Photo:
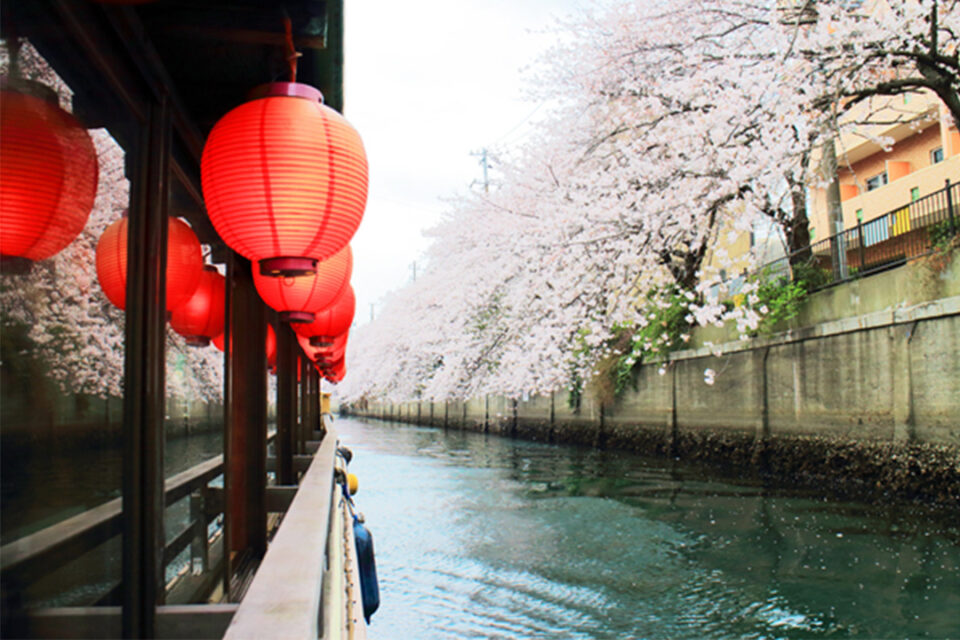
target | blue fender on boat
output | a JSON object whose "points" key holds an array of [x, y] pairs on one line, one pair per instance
{"points": [[369, 589]]}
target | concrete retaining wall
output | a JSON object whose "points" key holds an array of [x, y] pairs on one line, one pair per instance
{"points": [[867, 403]]}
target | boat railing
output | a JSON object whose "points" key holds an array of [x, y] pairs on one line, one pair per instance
{"points": [[302, 587]]}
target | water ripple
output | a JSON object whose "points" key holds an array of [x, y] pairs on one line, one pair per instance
{"points": [[483, 537]]}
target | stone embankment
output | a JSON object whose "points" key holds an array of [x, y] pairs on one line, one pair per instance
{"points": [[865, 407]]}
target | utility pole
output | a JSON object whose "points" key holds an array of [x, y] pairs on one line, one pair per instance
{"points": [[371, 312], [485, 163], [413, 265]]}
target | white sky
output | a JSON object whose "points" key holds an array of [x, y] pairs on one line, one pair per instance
{"points": [[426, 83]]}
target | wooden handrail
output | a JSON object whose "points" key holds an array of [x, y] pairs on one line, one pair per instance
{"points": [[283, 600], [59, 543]]}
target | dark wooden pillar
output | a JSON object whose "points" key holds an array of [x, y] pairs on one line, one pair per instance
{"points": [[287, 366], [309, 403], [246, 422], [144, 359]]}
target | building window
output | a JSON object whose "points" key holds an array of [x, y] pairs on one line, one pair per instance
{"points": [[877, 181], [936, 155], [914, 194], [859, 215]]}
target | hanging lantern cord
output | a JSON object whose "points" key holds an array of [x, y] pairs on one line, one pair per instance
{"points": [[292, 54], [12, 44]]}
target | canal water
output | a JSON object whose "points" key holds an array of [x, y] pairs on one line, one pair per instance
{"points": [[479, 536]]}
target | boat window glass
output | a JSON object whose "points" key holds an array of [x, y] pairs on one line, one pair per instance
{"points": [[61, 342]]}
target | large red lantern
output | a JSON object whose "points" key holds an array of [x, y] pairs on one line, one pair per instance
{"points": [[48, 176], [184, 262], [285, 179], [201, 317], [330, 322], [298, 298]]}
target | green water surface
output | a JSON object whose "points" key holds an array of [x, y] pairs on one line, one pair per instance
{"points": [[484, 537]]}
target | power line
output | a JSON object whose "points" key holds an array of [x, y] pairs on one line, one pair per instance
{"points": [[521, 123], [485, 163]]}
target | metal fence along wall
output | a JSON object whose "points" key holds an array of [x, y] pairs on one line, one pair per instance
{"points": [[907, 232]]}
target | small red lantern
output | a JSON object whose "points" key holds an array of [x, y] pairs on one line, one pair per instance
{"points": [[335, 347], [335, 372], [48, 176], [184, 262], [284, 179], [330, 358], [308, 349], [330, 322], [271, 347], [201, 317], [219, 341], [298, 298]]}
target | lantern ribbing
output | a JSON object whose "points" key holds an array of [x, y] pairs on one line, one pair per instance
{"points": [[184, 262], [48, 177], [201, 318]]}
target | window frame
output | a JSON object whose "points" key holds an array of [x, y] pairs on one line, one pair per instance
{"points": [[878, 181]]}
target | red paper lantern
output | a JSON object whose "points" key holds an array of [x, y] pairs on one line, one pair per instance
{"points": [[330, 322], [298, 298], [184, 262], [271, 347], [219, 341], [330, 358], [332, 365], [285, 179], [308, 349], [48, 176], [336, 345], [334, 372], [201, 317]]}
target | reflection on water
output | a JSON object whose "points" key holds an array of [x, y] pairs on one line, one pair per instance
{"points": [[483, 537]]}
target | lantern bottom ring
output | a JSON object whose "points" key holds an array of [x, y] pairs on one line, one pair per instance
{"points": [[296, 316], [197, 341], [321, 341], [286, 266]]}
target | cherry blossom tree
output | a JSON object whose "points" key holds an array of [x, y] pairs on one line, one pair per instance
{"points": [[676, 120]]}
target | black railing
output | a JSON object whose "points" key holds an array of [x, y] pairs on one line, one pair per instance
{"points": [[907, 232]]}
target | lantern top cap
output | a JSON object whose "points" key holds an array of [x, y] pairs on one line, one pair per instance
{"points": [[287, 89], [30, 88]]}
